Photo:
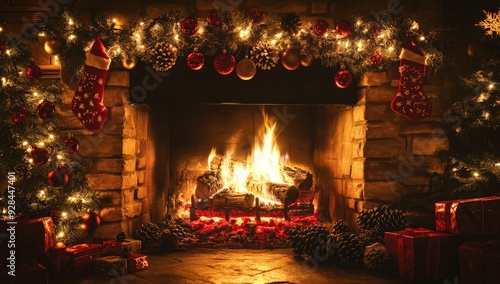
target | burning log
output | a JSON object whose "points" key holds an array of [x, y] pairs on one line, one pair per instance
{"points": [[234, 200], [208, 184], [302, 179], [278, 190]]}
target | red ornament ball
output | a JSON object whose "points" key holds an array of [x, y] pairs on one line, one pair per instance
{"points": [[291, 59], [320, 27], [33, 73], [255, 15], [343, 78], [189, 26], [344, 28], [18, 114], [46, 109], [40, 156], [195, 60], [72, 145], [90, 221], [58, 177], [376, 58], [214, 17], [224, 63]]}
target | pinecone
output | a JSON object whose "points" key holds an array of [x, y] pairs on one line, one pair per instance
{"points": [[369, 237], [332, 247], [179, 229], [150, 234], [121, 237], [376, 257], [290, 22], [124, 253], [392, 220], [368, 218], [311, 241], [163, 56], [341, 227], [264, 55], [350, 249]]}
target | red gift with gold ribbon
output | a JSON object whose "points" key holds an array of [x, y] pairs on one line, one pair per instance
{"points": [[423, 255], [469, 217], [74, 261]]}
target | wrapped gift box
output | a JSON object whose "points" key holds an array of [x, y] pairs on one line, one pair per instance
{"points": [[34, 237], [137, 262], [114, 247], [469, 217], [111, 266], [74, 261], [479, 262], [423, 255]]}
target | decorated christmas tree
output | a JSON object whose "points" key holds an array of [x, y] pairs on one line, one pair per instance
{"points": [[42, 174], [473, 161]]}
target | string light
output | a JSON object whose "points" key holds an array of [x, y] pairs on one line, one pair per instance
{"points": [[421, 38], [35, 94], [137, 36], [278, 35], [176, 37], [51, 136], [475, 174], [41, 143], [114, 20], [4, 211], [141, 23], [64, 214], [8, 52], [61, 234], [71, 37], [42, 34], [391, 48], [4, 80], [201, 30], [454, 169], [497, 164], [72, 199], [358, 23], [491, 86], [414, 26], [70, 22], [25, 143], [30, 161], [1, 29], [244, 33], [59, 157]]}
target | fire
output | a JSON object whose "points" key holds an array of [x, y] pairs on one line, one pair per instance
{"points": [[262, 165]]}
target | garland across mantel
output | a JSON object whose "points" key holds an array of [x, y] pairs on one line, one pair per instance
{"points": [[354, 46]]}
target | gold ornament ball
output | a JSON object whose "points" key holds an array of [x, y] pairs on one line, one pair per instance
{"points": [[53, 46], [246, 69], [128, 63], [306, 60], [291, 59]]}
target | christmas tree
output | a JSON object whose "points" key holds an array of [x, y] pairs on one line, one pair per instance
{"points": [[473, 161], [41, 171]]}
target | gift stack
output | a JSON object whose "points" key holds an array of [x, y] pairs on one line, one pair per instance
{"points": [[33, 239], [121, 256], [73, 261], [477, 223]]}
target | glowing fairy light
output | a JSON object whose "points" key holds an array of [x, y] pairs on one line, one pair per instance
{"points": [[137, 36], [25, 143], [114, 20], [391, 48], [421, 38], [273, 42], [59, 157], [51, 136], [244, 33], [42, 34], [8, 52], [141, 23], [414, 26], [454, 169], [176, 37], [201, 30], [70, 22], [491, 86], [475, 174], [360, 46], [278, 35], [72, 199], [1, 29], [64, 214], [35, 94], [497, 164], [4, 211], [71, 37], [4, 80], [141, 46], [61, 234], [41, 143], [358, 23], [30, 161]]}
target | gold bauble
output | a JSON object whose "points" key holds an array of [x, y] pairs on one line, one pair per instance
{"points": [[291, 59], [246, 69], [306, 60], [128, 63], [53, 46]]}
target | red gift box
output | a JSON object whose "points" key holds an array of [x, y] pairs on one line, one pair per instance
{"points": [[479, 262], [423, 255], [34, 237], [137, 262], [469, 217], [114, 247], [74, 261]]}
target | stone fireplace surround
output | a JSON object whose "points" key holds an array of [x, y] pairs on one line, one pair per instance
{"points": [[354, 150]]}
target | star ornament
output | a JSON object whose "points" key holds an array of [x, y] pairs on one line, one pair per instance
{"points": [[491, 24]]}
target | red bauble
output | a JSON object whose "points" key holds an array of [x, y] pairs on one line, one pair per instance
{"points": [[195, 60], [320, 27], [90, 221], [72, 145], [291, 59], [224, 63], [46, 109], [344, 28], [255, 15], [58, 177], [214, 17], [343, 78], [18, 114], [189, 26], [376, 58], [33, 73], [40, 156]]}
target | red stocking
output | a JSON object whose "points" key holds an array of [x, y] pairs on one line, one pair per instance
{"points": [[87, 104], [410, 100]]}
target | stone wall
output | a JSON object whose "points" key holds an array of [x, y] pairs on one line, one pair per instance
{"points": [[116, 157]]}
